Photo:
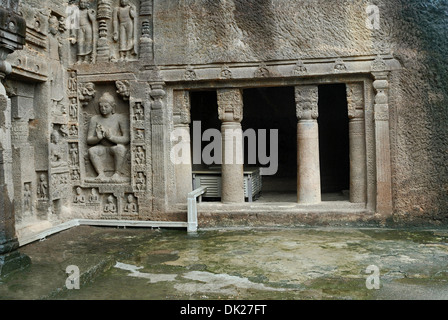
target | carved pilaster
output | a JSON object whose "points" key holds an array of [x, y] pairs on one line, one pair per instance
{"points": [[158, 136], [182, 145], [382, 141]]}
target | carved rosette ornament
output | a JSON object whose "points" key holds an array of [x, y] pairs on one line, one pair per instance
{"points": [[190, 74], [262, 71], [230, 105], [299, 69], [307, 102], [225, 73]]}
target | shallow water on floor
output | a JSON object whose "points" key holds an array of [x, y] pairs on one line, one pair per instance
{"points": [[274, 264]]}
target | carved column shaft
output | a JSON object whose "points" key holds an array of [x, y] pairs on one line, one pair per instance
{"points": [[308, 164], [158, 152], [182, 133], [358, 184], [230, 111], [382, 139]]}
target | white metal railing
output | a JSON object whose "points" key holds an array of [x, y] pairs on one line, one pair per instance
{"points": [[192, 216]]}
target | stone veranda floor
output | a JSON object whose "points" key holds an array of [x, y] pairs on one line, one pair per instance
{"points": [[235, 264]]}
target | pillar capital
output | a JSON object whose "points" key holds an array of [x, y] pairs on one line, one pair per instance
{"points": [[181, 108], [230, 105], [307, 98], [355, 100]]}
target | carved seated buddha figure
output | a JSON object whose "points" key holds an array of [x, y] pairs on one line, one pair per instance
{"points": [[108, 134]]}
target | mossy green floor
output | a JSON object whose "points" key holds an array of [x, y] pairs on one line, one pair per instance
{"points": [[302, 263]]}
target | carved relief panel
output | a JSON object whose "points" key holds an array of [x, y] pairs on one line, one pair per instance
{"points": [[110, 30], [106, 148]]}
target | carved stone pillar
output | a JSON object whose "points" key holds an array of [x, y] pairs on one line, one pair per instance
{"points": [[159, 165], [230, 111], [358, 184], [182, 132], [12, 37], [308, 168], [382, 141]]}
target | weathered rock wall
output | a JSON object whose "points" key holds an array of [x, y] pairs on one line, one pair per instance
{"points": [[415, 32]]}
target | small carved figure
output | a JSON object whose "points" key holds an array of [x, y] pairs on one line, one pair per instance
{"points": [[64, 130], [124, 29], [140, 181], [75, 174], [42, 187], [27, 196], [79, 198], [139, 134], [55, 150], [94, 197], [72, 84], [73, 130], [74, 154], [110, 205], [138, 111], [139, 155], [108, 133], [123, 89], [131, 206], [73, 108], [56, 72]]}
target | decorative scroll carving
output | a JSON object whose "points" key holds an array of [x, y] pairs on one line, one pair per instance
{"points": [[86, 92], [123, 89], [307, 102], [230, 105]]}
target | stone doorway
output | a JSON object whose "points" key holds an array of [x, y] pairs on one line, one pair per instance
{"points": [[274, 108], [334, 142]]}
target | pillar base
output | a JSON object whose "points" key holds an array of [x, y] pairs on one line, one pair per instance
{"points": [[13, 261]]}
